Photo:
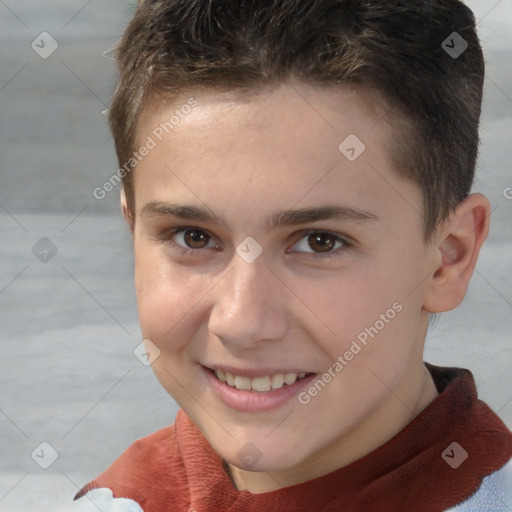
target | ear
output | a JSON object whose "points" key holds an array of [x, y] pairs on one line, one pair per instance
{"points": [[458, 244], [127, 214]]}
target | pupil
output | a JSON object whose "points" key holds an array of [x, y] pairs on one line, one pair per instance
{"points": [[194, 238], [324, 240]]}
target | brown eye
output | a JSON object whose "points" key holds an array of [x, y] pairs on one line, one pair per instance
{"points": [[195, 238], [321, 242], [189, 240]]}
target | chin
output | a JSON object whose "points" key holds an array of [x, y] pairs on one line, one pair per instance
{"points": [[259, 457]]}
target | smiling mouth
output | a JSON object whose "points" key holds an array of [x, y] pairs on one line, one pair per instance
{"points": [[262, 384]]}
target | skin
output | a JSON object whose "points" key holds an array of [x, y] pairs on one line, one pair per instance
{"points": [[245, 160]]}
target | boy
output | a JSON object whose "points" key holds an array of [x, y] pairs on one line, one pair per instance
{"points": [[296, 178]]}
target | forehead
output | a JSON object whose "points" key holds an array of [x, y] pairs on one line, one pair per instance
{"points": [[290, 144], [271, 110], [294, 123]]}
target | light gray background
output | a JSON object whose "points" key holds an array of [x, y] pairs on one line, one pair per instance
{"points": [[69, 326]]}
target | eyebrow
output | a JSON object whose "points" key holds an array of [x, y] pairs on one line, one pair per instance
{"points": [[275, 220]]}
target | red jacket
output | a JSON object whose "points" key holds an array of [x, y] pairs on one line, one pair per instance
{"points": [[175, 469]]}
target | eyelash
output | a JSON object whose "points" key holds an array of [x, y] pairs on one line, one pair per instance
{"points": [[346, 245]]}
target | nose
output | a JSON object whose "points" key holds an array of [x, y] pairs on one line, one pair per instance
{"points": [[250, 306]]}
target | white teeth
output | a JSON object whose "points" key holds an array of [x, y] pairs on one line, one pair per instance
{"points": [[261, 384], [290, 378], [242, 382], [277, 381]]}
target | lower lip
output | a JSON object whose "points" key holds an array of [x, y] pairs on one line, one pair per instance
{"points": [[252, 401]]}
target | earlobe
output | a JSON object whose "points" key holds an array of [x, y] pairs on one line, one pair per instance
{"points": [[459, 242]]}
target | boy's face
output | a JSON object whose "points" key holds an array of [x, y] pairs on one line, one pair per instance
{"points": [[209, 300]]}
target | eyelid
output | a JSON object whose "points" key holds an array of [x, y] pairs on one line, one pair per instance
{"points": [[167, 237], [347, 243]]}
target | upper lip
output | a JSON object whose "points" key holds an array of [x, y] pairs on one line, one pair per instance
{"points": [[255, 372]]}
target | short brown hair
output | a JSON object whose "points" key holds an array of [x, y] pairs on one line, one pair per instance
{"points": [[398, 48]]}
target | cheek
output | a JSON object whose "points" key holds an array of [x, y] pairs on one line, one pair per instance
{"points": [[168, 299], [343, 305], [371, 312]]}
